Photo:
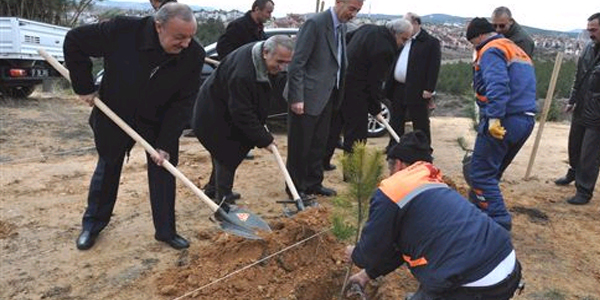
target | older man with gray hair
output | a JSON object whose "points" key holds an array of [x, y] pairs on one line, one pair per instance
{"points": [[152, 76], [232, 108], [411, 85], [371, 52]]}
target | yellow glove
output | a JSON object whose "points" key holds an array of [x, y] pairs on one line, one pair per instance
{"points": [[495, 128]]}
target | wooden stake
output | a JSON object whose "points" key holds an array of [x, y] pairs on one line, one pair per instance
{"points": [[546, 109]]}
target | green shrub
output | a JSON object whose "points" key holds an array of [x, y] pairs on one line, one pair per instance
{"points": [[362, 169]]}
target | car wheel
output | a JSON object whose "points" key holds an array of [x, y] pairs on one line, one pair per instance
{"points": [[18, 92], [375, 128]]}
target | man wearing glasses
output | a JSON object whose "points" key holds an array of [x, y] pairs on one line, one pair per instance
{"points": [[504, 24]]}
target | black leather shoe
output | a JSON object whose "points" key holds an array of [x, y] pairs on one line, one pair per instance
{"points": [[86, 240], [329, 167], [232, 197], [228, 198], [578, 200], [176, 242], [300, 193], [321, 190], [567, 179]]}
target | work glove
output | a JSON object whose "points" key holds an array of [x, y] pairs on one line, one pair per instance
{"points": [[495, 128]]}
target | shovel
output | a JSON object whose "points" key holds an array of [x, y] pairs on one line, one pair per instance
{"points": [[290, 183], [388, 127], [232, 219]]}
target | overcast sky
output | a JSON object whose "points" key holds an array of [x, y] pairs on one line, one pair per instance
{"points": [[555, 15]]}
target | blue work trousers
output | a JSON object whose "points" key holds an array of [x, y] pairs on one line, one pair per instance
{"points": [[490, 159]]}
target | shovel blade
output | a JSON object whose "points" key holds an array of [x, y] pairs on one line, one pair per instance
{"points": [[307, 201], [241, 222]]}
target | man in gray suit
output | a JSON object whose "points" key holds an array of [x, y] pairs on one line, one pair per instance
{"points": [[315, 76]]}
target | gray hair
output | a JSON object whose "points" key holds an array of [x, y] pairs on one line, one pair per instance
{"points": [[502, 10], [174, 10], [279, 40], [399, 26], [412, 17]]}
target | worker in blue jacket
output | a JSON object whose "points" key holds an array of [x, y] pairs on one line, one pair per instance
{"points": [[504, 81], [453, 249]]}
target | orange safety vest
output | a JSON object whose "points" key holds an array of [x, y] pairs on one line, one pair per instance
{"points": [[512, 54], [405, 185]]}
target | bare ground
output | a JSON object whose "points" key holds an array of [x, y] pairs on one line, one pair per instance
{"points": [[47, 157]]}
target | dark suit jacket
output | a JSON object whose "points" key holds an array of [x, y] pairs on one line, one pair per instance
{"points": [[239, 32], [149, 89], [312, 74], [423, 68]]}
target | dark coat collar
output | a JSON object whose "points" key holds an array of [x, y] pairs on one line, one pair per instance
{"points": [[148, 37]]}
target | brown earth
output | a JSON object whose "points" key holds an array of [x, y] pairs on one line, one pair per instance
{"points": [[47, 157]]}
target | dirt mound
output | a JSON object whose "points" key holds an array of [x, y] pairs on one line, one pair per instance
{"points": [[268, 272], [300, 259]]}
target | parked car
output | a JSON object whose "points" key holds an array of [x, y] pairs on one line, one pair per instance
{"points": [[279, 108], [21, 67]]}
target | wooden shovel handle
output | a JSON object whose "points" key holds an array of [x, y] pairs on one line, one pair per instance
{"points": [[134, 135], [388, 127], [286, 174]]}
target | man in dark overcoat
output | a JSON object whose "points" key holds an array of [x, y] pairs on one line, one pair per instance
{"points": [[232, 107], [371, 52], [412, 81], [246, 29], [152, 74]]}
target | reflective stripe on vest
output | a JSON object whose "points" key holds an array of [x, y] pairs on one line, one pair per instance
{"points": [[421, 261]]}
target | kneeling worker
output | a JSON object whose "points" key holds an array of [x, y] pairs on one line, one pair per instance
{"points": [[453, 249], [232, 108]]}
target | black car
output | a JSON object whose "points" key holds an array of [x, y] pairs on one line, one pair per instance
{"points": [[279, 108]]}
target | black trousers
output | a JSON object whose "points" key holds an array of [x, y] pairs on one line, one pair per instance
{"points": [[584, 157], [503, 290], [223, 174], [356, 122], [418, 114], [104, 188], [352, 121], [307, 142], [335, 129]]}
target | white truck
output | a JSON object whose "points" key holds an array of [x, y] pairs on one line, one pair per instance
{"points": [[21, 67]]}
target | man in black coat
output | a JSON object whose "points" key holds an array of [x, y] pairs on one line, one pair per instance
{"points": [[412, 80], [371, 52], [584, 136], [232, 107], [246, 29], [504, 24], [152, 75]]}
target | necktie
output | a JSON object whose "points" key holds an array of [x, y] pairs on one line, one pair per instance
{"points": [[341, 49]]}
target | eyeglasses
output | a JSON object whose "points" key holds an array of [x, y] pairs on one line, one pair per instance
{"points": [[501, 26]]}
